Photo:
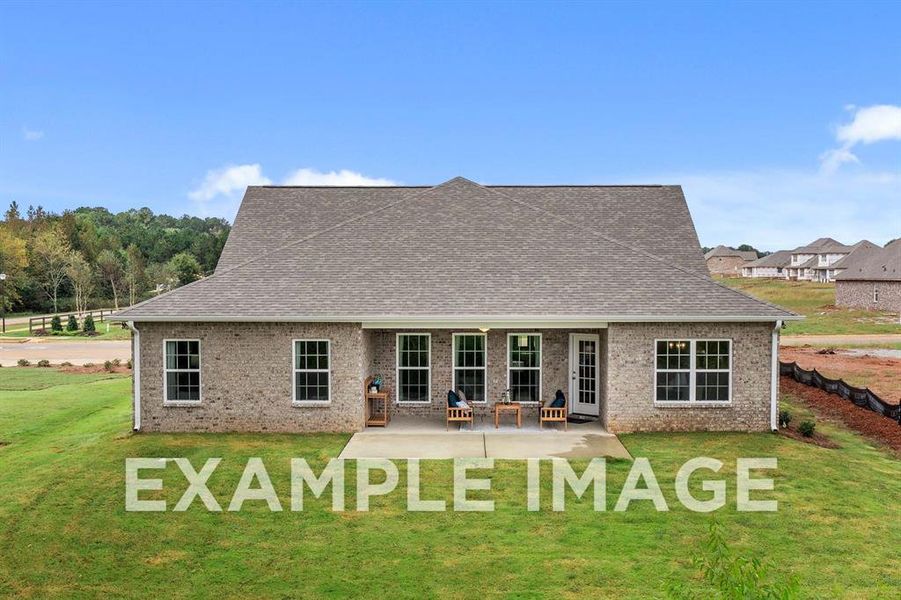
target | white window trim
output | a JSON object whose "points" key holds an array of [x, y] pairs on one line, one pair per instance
{"points": [[166, 401], [295, 370], [692, 376], [397, 368], [875, 294], [455, 368], [539, 368]]}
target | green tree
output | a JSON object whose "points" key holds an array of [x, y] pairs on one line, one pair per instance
{"points": [[13, 260], [56, 324], [110, 267], [185, 267], [72, 325], [134, 272], [50, 255], [88, 325], [81, 276]]}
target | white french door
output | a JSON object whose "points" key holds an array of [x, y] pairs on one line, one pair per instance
{"points": [[583, 366]]}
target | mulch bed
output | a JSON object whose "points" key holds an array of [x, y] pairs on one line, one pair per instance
{"points": [[871, 425]]}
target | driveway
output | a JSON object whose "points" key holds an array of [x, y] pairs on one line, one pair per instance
{"points": [[77, 352]]}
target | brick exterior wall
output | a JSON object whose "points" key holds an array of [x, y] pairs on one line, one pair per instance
{"points": [[630, 369], [246, 377], [725, 265], [859, 294], [554, 368]]}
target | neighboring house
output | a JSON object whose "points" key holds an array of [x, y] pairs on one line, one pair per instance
{"points": [[816, 261], [727, 262], [774, 266], [859, 253], [600, 291], [872, 280]]}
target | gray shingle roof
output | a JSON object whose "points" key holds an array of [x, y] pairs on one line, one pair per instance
{"points": [[881, 265], [858, 254], [459, 250], [725, 251], [822, 246], [782, 258]]}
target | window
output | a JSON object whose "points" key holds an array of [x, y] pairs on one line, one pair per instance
{"points": [[693, 371], [312, 379], [413, 367], [524, 366], [470, 365], [182, 372], [875, 294]]}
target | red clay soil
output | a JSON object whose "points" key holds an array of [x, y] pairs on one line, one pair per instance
{"points": [[880, 374], [833, 407]]}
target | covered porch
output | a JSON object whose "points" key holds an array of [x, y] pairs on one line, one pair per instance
{"points": [[416, 367]]}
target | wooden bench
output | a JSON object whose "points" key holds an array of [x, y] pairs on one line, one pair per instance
{"points": [[459, 415], [547, 414]]}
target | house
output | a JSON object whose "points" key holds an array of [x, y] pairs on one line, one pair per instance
{"points": [[774, 266], [727, 262], [816, 261], [600, 291], [872, 280], [860, 252]]}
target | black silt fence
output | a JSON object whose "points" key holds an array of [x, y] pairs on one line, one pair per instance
{"points": [[863, 397]]}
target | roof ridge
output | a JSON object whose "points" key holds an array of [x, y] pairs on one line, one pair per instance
{"points": [[642, 252]]}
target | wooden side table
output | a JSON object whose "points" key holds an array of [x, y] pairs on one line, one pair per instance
{"points": [[377, 414], [513, 407]]}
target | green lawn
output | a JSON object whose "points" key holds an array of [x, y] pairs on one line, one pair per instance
{"points": [[39, 378], [116, 332], [64, 531], [816, 301]]}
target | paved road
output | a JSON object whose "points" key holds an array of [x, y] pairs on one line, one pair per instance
{"points": [[77, 352], [841, 340]]}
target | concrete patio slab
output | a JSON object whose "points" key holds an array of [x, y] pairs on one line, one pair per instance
{"points": [[480, 444], [415, 445], [555, 444]]}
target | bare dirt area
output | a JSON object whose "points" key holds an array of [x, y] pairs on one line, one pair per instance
{"points": [[833, 407], [860, 369], [100, 368]]}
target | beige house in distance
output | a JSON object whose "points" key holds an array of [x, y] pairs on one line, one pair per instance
{"points": [[726, 262], [872, 280], [772, 266], [598, 291]]}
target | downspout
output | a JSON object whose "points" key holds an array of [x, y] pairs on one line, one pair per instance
{"points": [[774, 379], [136, 371]]}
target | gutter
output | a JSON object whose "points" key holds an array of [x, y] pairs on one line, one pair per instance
{"points": [[774, 379], [474, 320], [136, 372]]}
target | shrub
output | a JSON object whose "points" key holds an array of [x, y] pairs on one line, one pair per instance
{"points": [[88, 365], [116, 362], [65, 363], [128, 364], [733, 575], [807, 428], [43, 363], [785, 418], [108, 366], [88, 325], [56, 324], [72, 325], [23, 363]]}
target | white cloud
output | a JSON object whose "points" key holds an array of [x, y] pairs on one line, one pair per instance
{"points": [[221, 190], [342, 177], [31, 135], [777, 210], [869, 124], [228, 180]]}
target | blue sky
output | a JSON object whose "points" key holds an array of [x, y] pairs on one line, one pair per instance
{"points": [[783, 123]]}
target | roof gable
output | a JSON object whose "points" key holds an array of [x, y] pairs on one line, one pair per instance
{"points": [[458, 249]]}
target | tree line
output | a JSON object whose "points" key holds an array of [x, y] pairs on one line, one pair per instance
{"points": [[90, 258]]}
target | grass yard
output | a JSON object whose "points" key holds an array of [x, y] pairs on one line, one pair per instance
{"points": [[816, 301], [116, 332], [64, 531]]}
